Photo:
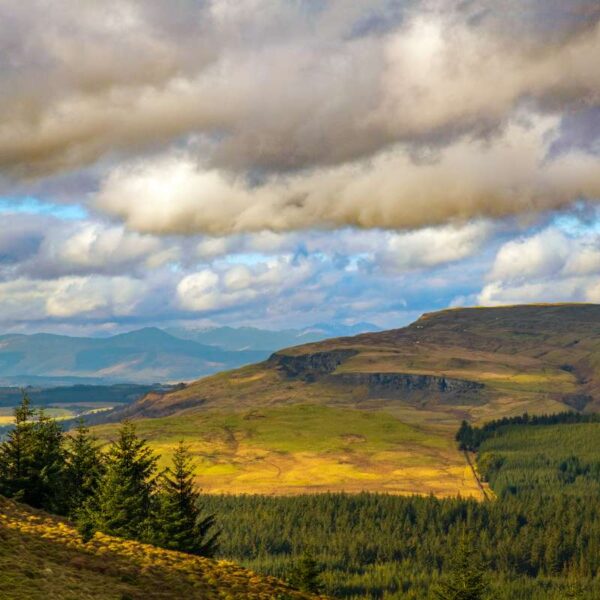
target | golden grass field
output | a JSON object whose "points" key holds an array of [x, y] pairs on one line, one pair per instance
{"points": [[44, 558], [308, 448]]}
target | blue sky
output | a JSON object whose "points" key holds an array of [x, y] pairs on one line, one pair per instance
{"points": [[35, 206], [367, 161]]}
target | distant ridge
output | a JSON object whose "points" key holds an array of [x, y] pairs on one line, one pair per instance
{"points": [[252, 338], [147, 355]]}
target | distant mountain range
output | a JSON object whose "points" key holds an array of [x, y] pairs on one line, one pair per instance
{"points": [[146, 355], [264, 340]]}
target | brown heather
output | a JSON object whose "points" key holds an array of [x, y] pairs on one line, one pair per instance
{"points": [[43, 557]]}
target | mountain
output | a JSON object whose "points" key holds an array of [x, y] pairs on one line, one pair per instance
{"points": [[252, 338], [378, 411], [143, 356], [43, 557], [532, 356]]}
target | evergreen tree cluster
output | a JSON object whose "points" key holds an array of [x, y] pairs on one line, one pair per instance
{"points": [[119, 492], [470, 438], [549, 460]]}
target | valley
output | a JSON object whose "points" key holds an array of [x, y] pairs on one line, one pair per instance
{"points": [[377, 411]]}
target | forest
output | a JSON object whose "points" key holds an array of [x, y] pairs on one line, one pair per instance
{"points": [[382, 546], [539, 540]]}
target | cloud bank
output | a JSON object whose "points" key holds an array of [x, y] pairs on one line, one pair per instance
{"points": [[380, 114]]}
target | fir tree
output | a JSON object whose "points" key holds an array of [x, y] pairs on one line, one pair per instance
{"points": [[15, 452], [466, 579], [464, 436], [305, 574], [32, 460], [84, 468], [122, 503], [179, 522], [47, 468]]}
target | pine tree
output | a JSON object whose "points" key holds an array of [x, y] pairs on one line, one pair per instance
{"points": [[305, 574], [84, 468], [122, 503], [179, 522], [464, 436], [32, 460], [15, 452], [466, 579], [47, 468]]}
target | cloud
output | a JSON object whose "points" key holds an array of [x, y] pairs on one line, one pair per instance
{"points": [[293, 90], [431, 247], [546, 266], [66, 297], [267, 161], [239, 285], [37, 246], [469, 179]]}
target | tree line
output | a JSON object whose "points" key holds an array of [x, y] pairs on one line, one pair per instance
{"points": [[119, 492], [470, 438]]}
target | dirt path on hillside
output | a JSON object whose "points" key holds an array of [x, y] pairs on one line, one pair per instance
{"points": [[475, 475]]}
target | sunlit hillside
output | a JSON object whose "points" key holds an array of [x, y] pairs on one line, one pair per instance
{"points": [[43, 557]]}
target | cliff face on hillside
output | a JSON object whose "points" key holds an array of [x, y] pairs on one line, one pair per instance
{"points": [[398, 385], [321, 366], [311, 366]]}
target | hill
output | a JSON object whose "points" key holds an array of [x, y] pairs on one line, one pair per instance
{"points": [[143, 356], [468, 362], [43, 557], [378, 411]]}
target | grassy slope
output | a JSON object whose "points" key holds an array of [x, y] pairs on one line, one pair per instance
{"points": [[309, 448], [42, 557], [528, 358]]}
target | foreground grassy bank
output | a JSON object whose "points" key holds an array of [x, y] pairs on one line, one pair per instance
{"points": [[43, 557]]}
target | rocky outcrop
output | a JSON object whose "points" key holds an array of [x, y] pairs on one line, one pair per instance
{"points": [[390, 385], [316, 366], [311, 366]]}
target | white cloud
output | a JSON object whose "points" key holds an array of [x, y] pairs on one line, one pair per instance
{"points": [[548, 266], [431, 247], [66, 297], [199, 291], [238, 285]]}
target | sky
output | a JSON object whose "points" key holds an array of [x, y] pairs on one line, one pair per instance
{"points": [[278, 163]]}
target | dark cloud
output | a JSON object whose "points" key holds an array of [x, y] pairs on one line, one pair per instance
{"points": [[578, 130]]}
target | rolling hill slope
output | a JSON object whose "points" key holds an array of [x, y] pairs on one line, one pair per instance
{"points": [[43, 557], [299, 421]]}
